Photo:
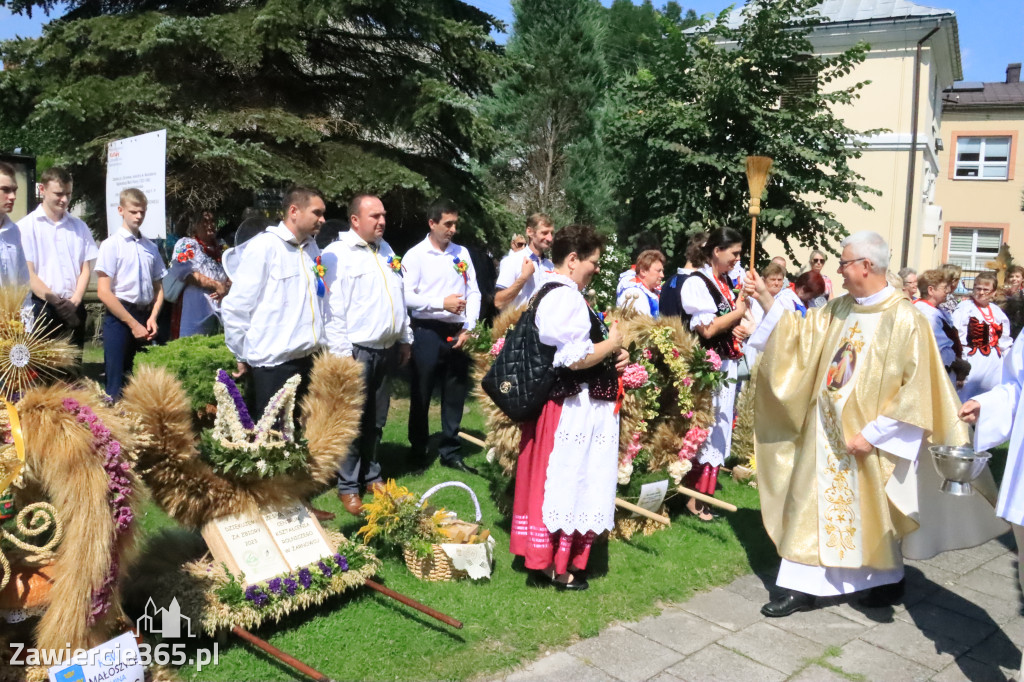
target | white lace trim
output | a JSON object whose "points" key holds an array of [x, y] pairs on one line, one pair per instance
{"points": [[475, 559], [571, 353], [701, 320]]}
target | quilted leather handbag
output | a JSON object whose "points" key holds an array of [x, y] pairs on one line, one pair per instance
{"points": [[522, 375]]}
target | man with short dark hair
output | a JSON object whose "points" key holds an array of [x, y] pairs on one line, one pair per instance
{"points": [[444, 302], [367, 319], [59, 250], [273, 314], [13, 268]]}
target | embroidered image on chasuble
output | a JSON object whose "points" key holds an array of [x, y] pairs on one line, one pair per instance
{"points": [[821, 380]]}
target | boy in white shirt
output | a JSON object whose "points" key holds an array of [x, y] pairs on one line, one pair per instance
{"points": [[13, 268], [129, 282], [60, 250]]}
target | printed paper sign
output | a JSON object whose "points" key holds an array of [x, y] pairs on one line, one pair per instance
{"points": [[118, 660], [139, 162], [299, 538], [651, 496], [251, 546]]}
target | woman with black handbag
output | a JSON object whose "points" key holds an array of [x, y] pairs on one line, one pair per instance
{"points": [[713, 311], [567, 468]]}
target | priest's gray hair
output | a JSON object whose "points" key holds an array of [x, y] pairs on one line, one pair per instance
{"points": [[871, 246]]}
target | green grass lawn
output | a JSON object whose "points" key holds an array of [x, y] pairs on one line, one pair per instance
{"points": [[366, 636]]}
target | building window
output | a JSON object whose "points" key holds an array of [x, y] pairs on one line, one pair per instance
{"points": [[971, 248], [982, 158]]}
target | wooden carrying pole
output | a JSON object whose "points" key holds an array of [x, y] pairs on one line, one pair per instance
{"points": [[629, 506], [280, 655], [472, 439], [757, 178], [707, 499], [409, 601]]}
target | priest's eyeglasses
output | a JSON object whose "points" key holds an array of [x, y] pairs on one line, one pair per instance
{"points": [[844, 263]]}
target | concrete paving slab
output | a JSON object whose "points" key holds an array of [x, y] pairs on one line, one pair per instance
{"points": [[773, 647], [967, 669], [678, 630], [1004, 564], [757, 588], [997, 649], [625, 655], [725, 609], [665, 676], [815, 673], [908, 641], [963, 560], [978, 605], [718, 664], [861, 658], [825, 626], [948, 623], [559, 667], [869, 617], [919, 570], [988, 582]]}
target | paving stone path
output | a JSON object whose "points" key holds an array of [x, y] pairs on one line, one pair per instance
{"points": [[961, 620]]}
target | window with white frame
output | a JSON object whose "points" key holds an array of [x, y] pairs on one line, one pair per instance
{"points": [[982, 158], [971, 248]]}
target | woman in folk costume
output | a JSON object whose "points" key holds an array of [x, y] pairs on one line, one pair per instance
{"points": [[197, 261], [714, 314], [933, 286], [640, 292], [985, 334], [568, 462], [801, 294]]}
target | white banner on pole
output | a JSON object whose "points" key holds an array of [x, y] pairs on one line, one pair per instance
{"points": [[138, 162]]}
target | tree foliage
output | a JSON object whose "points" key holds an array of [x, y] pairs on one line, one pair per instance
{"points": [[711, 97], [347, 95]]}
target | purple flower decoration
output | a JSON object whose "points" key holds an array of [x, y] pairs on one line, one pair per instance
{"points": [[243, 411], [290, 585], [274, 585], [305, 578], [325, 569], [256, 595], [341, 561]]}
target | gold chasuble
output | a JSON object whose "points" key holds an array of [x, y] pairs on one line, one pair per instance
{"points": [[820, 381]]}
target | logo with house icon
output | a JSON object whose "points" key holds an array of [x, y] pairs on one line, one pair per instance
{"points": [[165, 622]]}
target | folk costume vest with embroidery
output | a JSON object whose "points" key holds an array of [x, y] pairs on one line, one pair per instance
{"points": [[602, 380], [723, 343]]}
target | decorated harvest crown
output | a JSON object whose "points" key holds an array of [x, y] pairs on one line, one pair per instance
{"points": [[234, 427]]}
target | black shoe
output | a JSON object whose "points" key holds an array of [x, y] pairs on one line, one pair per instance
{"points": [[459, 465], [538, 578], [788, 604], [578, 584], [884, 595]]}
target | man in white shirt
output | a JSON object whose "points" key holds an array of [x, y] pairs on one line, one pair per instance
{"points": [[273, 314], [520, 274], [129, 282], [444, 302], [13, 268], [59, 250], [367, 319]]}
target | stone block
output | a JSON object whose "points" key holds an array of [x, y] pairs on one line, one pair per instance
{"points": [[625, 655], [825, 626], [950, 624], [773, 647], [717, 664], [678, 630], [967, 669], [988, 582], [861, 658], [725, 609], [559, 667], [929, 648]]}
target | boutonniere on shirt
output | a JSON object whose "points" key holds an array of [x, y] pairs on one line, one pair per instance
{"points": [[186, 254], [395, 263], [318, 272], [461, 267]]}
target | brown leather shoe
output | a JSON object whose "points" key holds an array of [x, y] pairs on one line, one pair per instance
{"points": [[352, 502], [322, 514], [376, 488]]}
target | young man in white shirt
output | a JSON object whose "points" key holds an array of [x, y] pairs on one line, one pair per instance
{"points": [[444, 302], [59, 250], [367, 319], [129, 282], [273, 314], [13, 267], [520, 274]]}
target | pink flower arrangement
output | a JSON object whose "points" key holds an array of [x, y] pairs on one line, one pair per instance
{"points": [[689, 415], [647, 353], [687, 381], [714, 359], [498, 345], [119, 492], [692, 441], [635, 376]]}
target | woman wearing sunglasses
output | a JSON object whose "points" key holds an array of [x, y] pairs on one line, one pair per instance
{"points": [[818, 259]]}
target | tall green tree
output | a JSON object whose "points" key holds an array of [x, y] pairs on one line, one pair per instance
{"points": [[347, 95], [548, 109], [634, 32], [716, 95]]}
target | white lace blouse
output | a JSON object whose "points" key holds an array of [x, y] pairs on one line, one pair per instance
{"points": [[697, 300], [563, 321]]}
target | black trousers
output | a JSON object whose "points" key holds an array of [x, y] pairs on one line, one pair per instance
{"points": [[41, 308], [360, 467], [435, 361], [266, 381], [120, 346]]}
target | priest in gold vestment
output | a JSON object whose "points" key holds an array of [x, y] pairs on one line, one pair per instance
{"points": [[847, 400]]}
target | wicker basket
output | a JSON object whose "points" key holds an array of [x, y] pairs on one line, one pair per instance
{"points": [[437, 566]]}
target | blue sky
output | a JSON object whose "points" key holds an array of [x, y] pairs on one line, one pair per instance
{"points": [[991, 31]]}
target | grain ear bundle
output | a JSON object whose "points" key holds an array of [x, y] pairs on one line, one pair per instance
{"points": [[757, 177]]}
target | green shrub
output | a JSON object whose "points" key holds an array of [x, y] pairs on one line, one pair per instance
{"points": [[195, 361]]}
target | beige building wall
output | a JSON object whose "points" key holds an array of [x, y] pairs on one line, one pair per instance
{"points": [[992, 204]]}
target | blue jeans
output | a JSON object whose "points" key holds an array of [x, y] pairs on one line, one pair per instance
{"points": [[120, 346]]}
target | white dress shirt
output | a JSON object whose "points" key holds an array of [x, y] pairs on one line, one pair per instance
{"points": [[430, 276], [57, 250], [511, 267], [273, 313], [132, 263], [13, 266], [365, 302]]}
